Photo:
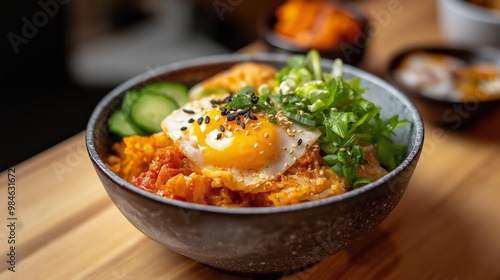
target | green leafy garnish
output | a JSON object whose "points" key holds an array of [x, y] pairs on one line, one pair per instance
{"points": [[336, 107]]}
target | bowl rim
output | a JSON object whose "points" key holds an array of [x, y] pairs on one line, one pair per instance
{"points": [[414, 150], [444, 48], [471, 11]]}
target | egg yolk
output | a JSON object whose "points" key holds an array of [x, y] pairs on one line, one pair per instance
{"points": [[224, 143]]}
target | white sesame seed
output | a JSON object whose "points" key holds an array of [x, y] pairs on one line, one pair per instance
{"points": [[217, 118], [266, 134], [291, 151], [255, 145]]}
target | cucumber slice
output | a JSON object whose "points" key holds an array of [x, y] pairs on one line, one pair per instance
{"points": [[149, 110], [129, 99], [176, 91], [120, 124]]}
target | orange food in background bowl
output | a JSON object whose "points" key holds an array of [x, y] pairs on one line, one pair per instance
{"points": [[316, 24]]}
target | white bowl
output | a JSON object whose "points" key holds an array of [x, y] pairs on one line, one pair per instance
{"points": [[463, 22]]}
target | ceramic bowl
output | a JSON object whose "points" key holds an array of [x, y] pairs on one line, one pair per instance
{"points": [[256, 241], [350, 52], [463, 22], [450, 114]]}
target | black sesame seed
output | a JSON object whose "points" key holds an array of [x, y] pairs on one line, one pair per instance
{"points": [[252, 116], [238, 121], [299, 142], [200, 120], [183, 128], [243, 125], [191, 120], [187, 111], [219, 136], [207, 119], [223, 111], [222, 128]]}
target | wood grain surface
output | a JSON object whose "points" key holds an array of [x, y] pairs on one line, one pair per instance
{"points": [[447, 226]]}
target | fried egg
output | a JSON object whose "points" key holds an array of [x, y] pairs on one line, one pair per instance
{"points": [[245, 147]]}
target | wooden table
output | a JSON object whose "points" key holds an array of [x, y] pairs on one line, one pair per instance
{"points": [[447, 226]]}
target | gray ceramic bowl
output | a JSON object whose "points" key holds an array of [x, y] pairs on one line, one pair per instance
{"points": [[257, 241]]}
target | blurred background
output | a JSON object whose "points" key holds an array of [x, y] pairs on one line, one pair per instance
{"points": [[60, 57]]}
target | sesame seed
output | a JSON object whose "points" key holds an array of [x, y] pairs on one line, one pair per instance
{"points": [[191, 120], [247, 132], [342, 149], [207, 119], [200, 120], [253, 117], [217, 118], [303, 100], [261, 115], [285, 100], [243, 125], [299, 142], [286, 165], [301, 113], [219, 136], [222, 128], [183, 128], [261, 152], [294, 145], [187, 111], [266, 134], [255, 145], [291, 151]]}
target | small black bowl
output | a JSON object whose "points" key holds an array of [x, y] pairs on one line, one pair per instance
{"points": [[451, 114], [266, 240], [350, 52]]}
